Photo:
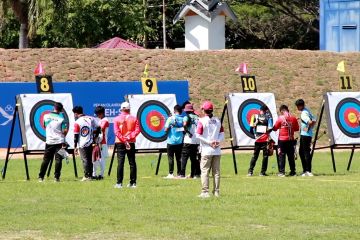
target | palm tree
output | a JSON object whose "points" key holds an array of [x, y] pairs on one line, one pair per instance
{"points": [[27, 13]]}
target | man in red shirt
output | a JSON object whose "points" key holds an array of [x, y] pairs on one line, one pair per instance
{"points": [[287, 125], [126, 129]]}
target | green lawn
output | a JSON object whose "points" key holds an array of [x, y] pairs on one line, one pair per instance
{"points": [[326, 206]]}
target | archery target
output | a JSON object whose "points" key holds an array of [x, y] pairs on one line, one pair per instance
{"points": [[343, 111], [37, 114], [152, 116], [32, 110], [152, 112], [241, 107]]}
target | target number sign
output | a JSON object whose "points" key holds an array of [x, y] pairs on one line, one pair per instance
{"points": [[345, 82], [44, 84], [246, 110], [248, 83], [346, 116], [152, 116], [149, 85]]}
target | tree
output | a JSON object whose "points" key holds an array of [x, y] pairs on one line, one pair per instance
{"points": [[274, 24], [27, 13]]}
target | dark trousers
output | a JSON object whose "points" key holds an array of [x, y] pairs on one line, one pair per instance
{"points": [[190, 151], [51, 151], [286, 148], [121, 153], [304, 152], [258, 147], [86, 157], [171, 151]]}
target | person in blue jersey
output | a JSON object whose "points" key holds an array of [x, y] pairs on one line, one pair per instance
{"points": [[56, 128], [306, 133], [175, 130]]}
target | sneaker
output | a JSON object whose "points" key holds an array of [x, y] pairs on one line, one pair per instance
{"points": [[118, 185], [40, 179], [249, 174], [216, 194], [304, 174], [309, 174], [56, 179], [263, 175], [196, 176], [85, 179], [99, 177], [281, 175], [181, 177], [204, 195], [131, 185], [94, 177], [292, 174], [170, 176]]}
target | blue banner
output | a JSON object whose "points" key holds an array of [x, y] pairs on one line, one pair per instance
{"points": [[86, 94]]}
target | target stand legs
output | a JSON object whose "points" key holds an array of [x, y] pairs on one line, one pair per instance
{"points": [[333, 158], [112, 159], [351, 157], [158, 164]]}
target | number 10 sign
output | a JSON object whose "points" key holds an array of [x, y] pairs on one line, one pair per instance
{"points": [[149, 85], [248, 83]]}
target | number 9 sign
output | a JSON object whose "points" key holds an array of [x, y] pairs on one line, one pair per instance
{"points": [[149, 85]]}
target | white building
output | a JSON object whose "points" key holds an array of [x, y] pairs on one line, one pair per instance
{"points": [[204, 24]]}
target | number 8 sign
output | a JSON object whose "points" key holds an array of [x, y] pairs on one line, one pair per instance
{"points": [[44, 84], [149, 85]]}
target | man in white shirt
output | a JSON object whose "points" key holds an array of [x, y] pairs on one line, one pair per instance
{"points": [[210, 133], [85, 129], [56, 130]]}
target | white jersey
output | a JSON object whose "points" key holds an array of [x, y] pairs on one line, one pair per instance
{"points": [[55, 125], [209, 130], [85, 126], [190, 134]]}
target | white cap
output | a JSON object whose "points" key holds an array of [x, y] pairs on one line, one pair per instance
{"points": [[125, 105]]}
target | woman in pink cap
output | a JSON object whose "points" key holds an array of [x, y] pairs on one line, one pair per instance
{"points": [[210, 133]]}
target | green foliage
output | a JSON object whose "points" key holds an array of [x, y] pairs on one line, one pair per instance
{"points": [[9, 33], [274, 24], [322, 207], [86, 23]]}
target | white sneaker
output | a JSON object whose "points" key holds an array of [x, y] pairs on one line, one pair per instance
{"points": [[216, 194], [118, 185], [304, 174], [131, 185], [281, 175], [85, 179], [309, 174], [204, 195], [170, 176]]}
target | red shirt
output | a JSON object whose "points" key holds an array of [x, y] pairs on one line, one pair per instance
{"points": [[288, 125], [126, 128]]}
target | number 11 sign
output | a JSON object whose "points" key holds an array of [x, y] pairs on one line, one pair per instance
{"points": [[248, 83], [149, 85]]}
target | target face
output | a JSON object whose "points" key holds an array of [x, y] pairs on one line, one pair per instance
{"points": [[246, 110], [152, 116], [37, 114], [346, 115]]}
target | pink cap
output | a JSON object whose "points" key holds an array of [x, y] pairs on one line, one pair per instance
{"points": [[207, 105], [189, 108]]}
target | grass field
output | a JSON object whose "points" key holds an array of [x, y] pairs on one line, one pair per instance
{"points": [[326, 206]]}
